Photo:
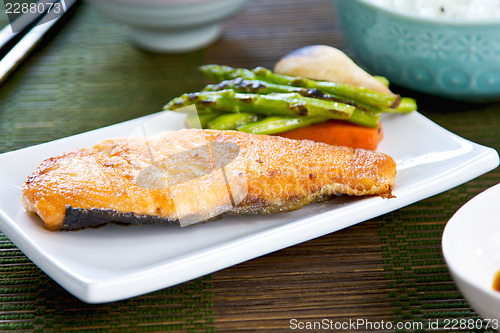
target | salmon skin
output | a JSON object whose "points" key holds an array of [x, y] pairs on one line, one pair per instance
{"points": [[197, 175]]}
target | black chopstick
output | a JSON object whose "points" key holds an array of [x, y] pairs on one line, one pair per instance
{"points": [[16, 46]]}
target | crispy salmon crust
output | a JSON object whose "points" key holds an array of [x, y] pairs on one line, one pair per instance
{"points": [[165, 178]]}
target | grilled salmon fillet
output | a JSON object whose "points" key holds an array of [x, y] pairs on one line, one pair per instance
{"points": [[194, 175]]}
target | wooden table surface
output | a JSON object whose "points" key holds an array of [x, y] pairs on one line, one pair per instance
{"points": [[386, 270]]}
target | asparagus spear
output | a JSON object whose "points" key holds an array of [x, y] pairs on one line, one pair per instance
{"points": [[231, 121], [382, 80], [364, 115], [204, 119], [363, 95], [406, 105], [359, 117], [273, 125], [262, 87], [221, 73], [290, 104], [364, 118], [253, 86]]}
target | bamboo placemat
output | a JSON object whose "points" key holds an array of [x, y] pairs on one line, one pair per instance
{"points": [[389, 268]]}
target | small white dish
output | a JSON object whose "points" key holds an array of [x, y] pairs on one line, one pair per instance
{"points": [[171, 26], [471, 248], [114, 262]]}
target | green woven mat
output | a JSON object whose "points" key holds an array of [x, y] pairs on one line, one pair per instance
{"points": [[31, 301], [88, 76]]}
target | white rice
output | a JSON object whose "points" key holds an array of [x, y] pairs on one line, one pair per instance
{"points": [[472, 9]]}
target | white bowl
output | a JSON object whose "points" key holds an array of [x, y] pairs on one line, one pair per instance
{"points": [[471, 248], [171, 25]]}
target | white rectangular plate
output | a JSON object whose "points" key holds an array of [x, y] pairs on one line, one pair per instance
{"points": [[115, 262]]}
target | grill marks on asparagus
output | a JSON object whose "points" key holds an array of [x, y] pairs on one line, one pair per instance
{"points": [[222, 73], [270, 95], [260, 87], [283, 104]]}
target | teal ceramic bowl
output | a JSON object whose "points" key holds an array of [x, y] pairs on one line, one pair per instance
{"points": [[447, 57]]}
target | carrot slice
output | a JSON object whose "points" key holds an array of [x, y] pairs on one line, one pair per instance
{"points": [[339, 132]]}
